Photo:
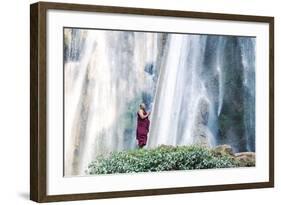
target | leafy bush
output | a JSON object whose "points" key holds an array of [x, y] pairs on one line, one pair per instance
{"points": [[162, 158]]}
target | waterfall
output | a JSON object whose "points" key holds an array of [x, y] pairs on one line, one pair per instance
{"points": [[200, 89], [248, 61], [200, 85], [220, 71], [182, 105], [114, 72]]}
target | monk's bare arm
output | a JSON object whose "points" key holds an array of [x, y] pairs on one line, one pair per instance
{"points": [[142, 115]]}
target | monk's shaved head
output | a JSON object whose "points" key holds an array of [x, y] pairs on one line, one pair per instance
{"points": [[142, 106]]}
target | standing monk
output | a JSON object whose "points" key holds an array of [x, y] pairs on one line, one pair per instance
{"points": [[142, 126]]}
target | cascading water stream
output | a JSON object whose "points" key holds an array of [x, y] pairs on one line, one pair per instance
{"points": [[200, 89], [103, 91], [248, 61], [182, 96]]}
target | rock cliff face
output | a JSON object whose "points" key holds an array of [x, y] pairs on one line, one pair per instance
{"points": [[244, 159], [201, 132], [224, 149]]}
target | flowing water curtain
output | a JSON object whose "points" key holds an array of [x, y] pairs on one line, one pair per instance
{"points": [[76, 55], [206, 92], [182, 105], [238, 109], [104, 89], [201, 88], [248, 49]]}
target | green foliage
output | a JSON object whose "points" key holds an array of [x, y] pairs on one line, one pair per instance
{"points": [[163, 158]]}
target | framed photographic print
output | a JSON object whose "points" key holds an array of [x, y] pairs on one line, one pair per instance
{"points": [[135, 102]]}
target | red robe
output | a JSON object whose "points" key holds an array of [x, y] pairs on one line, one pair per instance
{"points": [[142, 129]]}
